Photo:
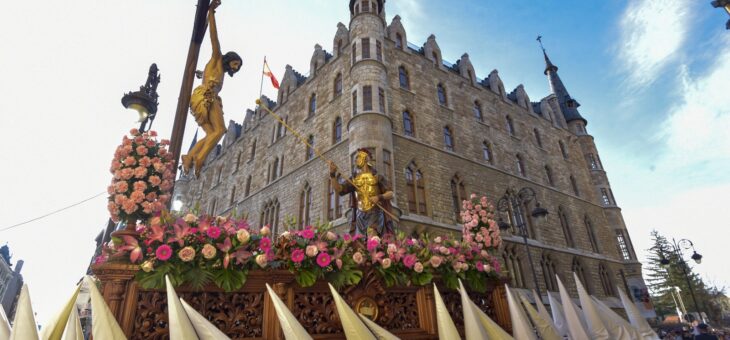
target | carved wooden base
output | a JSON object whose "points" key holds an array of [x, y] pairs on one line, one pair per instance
{"points": [[248, 313]]}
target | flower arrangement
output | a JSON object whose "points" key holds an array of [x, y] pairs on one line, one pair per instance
{"points": [[197, 250], [143, 177]]}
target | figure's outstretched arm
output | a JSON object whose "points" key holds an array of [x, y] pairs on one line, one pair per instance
{"points": [[213, 29]]}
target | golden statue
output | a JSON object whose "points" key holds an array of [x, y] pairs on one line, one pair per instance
{"points": [[205, 104], [369, 196]]}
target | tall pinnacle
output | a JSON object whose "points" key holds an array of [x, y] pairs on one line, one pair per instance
{"points": [[568, 105]]}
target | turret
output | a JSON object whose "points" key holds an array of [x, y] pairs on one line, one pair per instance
{"points": [[568, 105]]}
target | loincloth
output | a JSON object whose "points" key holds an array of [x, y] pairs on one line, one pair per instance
{"points": [[201, 101]]}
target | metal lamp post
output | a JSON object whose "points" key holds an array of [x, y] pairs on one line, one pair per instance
{"points": [[144, 101], [676, 248], [512, 203]]}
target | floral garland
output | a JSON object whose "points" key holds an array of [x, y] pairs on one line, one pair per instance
{"points": [[197, 250], [143, 177]]}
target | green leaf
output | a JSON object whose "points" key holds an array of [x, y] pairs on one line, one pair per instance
{"points": [[345, 277], [228, 279], [450, 280], [421, 279], [197, 277], [476, 281], [156, 278], [305, 278]]}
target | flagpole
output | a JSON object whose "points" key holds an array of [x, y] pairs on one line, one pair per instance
{"points": [[261, 87]]}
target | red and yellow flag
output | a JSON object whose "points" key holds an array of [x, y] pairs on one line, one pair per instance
{"points": [[268, 73]]}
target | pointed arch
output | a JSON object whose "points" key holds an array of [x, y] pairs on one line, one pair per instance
{"points": [[403, 78], [458, 195], [409, 126], [337, 130], [549, 271], [448, 138], [477, 109], [606, 281], [591, 234], [441, 94], [416, 189], [305, 205], [338, 84], [513, 266], [566, 228], [580, 272]]}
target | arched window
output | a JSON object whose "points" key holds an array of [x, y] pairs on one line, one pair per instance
{"points": [[398, 41], [381, 99], [591, 234], [513, 266], [357, 8], [604, 197], [409, 129], [435, 57], [458, 195], [441, 92], [574, 185], [354, 102], [538, 140], [563, 151], [592, 162], [270, 215], [334, 201], [365, 6], [338, 84], [337, 131], [365, 48], [339, 46], [448, 139], [548, 273], [252, 154], [233, 197], [305, 204], [416, 190], [478, 111], [606, 282], [403, 78], [566, 228], [487, 152], [275, 169], [520, 164], [310, 148], [312, 105], [367, 98], [211, 210], [378, 50], [578, 270], [549, 176], [510, 126], [238, 161]]}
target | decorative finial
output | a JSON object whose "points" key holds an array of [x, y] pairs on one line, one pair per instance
{"points": [[539, 40]]}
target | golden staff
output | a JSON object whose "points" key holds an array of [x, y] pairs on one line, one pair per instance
{"points": [[317, 152]]}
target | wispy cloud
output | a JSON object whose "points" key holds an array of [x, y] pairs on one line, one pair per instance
{"points": [[652, 31]]}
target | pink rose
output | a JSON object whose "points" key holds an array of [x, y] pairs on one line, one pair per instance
{"points": [[186, 254], [409, 260], [243, 236], [323, 259], [312, 251], [444, 250], [208, 251], [338, 263], [392, 248], [436, 261], [331, 236], [373, 243], [418, 267], [265, 231], [163, 252], [190, 218], [357, 257], [261, 260], [297, 256], [386, 263]]}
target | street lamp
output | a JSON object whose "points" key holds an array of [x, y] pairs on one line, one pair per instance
{"points": [[676, 248], [144, 101], [724, 4], [512, 203]]}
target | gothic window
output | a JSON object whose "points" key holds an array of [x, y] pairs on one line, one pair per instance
{"points": [[337, 131], [338, 84], [238, 161], [270, 215], [563, 151], [566, 228], [339, 46], [513, 266], [357, 8], [458, 195], [275, 169], [408, 127], [310, 147], [354, 52], [253, 151], [365, 48], [578, 270], [218, 178], [367, 98], [398, 41], [381, 99], [281, 166], [478, 111], [538, 140], [312, 105], [520, 163], [403, 78], [416, 190], [574, 185], [549, 176], [471, 76], [487, 152], [448, 139], [354, 102], [623, 247], [334, 201], [591, 235], [592, 162], [379, 50], [233, 196], [387, 166], [305, 204], [604, 197], [212, 208], [248, 186], [548, 273], [435, 57], [441, 91], [606, 282], [510, 126], [365, 6]]}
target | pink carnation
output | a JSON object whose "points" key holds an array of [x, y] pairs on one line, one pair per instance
{"points": [[121, 187], [297, 256], [129, 161], [139, 186], [141, 150], [264, 244], [214, 232], [155, 180], [140, 172], [163, 252], [307, 233]]}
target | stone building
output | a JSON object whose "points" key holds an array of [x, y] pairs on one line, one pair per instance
{"points": [[11, 281], [438, 133]]}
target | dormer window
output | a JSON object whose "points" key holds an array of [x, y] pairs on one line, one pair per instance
{"points": [[398, 41]]}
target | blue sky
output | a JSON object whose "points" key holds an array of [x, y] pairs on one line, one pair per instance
{"points": [[652, 77]]}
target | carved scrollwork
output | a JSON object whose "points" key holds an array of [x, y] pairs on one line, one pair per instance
{"points": [[317, 313]]}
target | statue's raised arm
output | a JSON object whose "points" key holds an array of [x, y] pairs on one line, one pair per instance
{"points": [[205, 104]]}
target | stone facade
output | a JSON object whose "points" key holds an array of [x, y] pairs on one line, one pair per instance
{"points": [[266, 172]]}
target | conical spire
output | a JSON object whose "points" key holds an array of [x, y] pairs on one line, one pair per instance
{"points": [[568, 105]]}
